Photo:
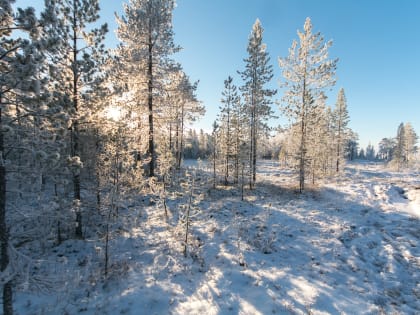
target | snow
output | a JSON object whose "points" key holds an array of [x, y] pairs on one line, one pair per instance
{"points": [[349, 245]]}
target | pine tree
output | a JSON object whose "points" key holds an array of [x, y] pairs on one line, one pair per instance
{"points": [[370, 152], [215, 140], [203, 145], [16, 66], [184, 108], [340, 122], [258, 72], [145, 31], [351, 146], [318, 146], [75, 67], [386, 149], [307, 71], [405, 146], [21, 81], [238, 136], [410, 142], [230, 100], [399, 151]]}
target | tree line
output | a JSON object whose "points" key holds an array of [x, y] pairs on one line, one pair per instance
{"points": [[316, 141]]}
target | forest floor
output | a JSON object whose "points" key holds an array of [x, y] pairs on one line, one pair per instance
{"points": [[349, 245]]}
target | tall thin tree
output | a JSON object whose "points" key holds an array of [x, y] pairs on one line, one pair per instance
{"points": [[258, 72], [340, 122]]}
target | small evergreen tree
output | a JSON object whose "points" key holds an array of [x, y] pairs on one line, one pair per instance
{"points": [[230, 100]]}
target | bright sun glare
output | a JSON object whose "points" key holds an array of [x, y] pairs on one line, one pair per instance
{"points": [[113, 113]]}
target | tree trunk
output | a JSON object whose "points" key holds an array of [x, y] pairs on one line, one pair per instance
{"points": [[177, 150], [254, 154], [339, 140], [251, 150], [187, 223], [181, 136], [242, 182], [75, 128], [338, 159], [76, 181], [214, 162], [227, 147], [98, 172], [302, 160], [170, 137], [150, 103], [237, 157], [4, 235], [303, 137], [302, 151]]}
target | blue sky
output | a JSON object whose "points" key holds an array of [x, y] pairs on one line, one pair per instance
{"points": [[377, 42]]}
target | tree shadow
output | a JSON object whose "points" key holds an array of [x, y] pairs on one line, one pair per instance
{"points": [[300, 253], [275, 252]]}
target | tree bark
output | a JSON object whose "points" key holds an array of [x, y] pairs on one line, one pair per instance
{"points": [[339, 140], [75, 126], [4, 235], [181, 136], [254, 153], [152, 154]]}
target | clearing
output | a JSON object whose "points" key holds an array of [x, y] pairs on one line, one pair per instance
{"points": [[348, 246]]}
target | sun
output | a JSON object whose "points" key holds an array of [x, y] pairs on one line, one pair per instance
{"points": [[113, 112]]}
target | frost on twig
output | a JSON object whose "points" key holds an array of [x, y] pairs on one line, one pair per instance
{"points": [[23, 270]]}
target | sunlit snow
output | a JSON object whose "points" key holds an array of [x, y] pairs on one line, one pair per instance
{"points": [[346, 246]]}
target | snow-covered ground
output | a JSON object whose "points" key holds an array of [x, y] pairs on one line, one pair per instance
{"points": [[350, 245]]}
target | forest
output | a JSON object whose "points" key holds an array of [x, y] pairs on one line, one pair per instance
{"points": [[105, 184]]}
